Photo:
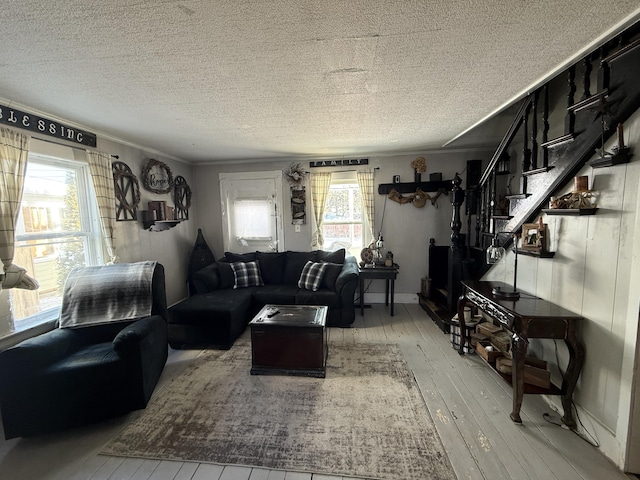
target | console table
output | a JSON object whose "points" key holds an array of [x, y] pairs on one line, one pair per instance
{"points": [[388, 274], [525, 318]]}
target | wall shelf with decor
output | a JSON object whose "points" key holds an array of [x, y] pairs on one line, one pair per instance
{"points": [[410, 187], [570, 211], [159, 225], [532, 253]]}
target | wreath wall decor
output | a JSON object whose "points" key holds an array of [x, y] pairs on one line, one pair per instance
{"points": [[417, 199], [182, 198], [294, 174], [127, 192], [157, 176]]}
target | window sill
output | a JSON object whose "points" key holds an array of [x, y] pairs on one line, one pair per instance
{"points": [[25, 332]]}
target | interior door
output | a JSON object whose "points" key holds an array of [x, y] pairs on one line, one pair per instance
{"points": [[251, 211]]}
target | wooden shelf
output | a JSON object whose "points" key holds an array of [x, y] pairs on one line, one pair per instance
{"points": [[530, 253], [623, 156], [517, 196], [570, 211], [160, 225], [411, 187]]}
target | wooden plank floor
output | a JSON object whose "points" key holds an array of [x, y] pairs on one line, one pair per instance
{"points": [[469, 404]]}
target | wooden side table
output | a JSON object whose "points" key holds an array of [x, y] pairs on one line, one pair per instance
{"points": [[525, 318], [379, 272]]}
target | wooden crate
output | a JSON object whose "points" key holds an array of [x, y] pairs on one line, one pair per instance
{"points": [[502, 341], [540, 377], [491, 354], [487, 328]]}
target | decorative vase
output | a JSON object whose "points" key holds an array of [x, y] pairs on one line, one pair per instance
{"points": [[417, 176], [201, 256]]}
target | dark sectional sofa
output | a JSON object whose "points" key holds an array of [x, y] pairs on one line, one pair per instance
{"points": [[220, 309]]}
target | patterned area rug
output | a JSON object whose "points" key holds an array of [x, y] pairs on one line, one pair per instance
{"points": [[365, 419]]}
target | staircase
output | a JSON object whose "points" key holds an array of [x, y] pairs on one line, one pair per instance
{"points": [[551, 138]]}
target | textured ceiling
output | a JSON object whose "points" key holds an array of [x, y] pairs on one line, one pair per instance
{"points": [[250, 79]]}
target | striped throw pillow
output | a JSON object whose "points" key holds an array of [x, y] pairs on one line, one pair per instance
{"points": [[246, 274], [312, 275]]}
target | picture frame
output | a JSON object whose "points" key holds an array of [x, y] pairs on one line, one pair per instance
{"points": [[534, 237]]}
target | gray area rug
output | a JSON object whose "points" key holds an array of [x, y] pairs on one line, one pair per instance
{"points": [[365, 419]]}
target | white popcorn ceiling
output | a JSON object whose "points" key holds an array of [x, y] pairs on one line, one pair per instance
{"points": [[206, 81]]}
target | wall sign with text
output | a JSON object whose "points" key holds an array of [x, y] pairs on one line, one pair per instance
{"points": [[34, 123], [340, 163]]}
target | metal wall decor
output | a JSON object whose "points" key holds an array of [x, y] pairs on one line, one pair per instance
{"points": [[298, 204], [157, 176], [181, 198], [127, 191]]}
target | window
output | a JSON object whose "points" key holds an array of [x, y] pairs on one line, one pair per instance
{"points": [[251, 219], [343, 220], [58, 229]]}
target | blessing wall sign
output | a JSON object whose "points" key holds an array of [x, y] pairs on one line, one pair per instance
{"points": [[157, 176], [34, 123]]}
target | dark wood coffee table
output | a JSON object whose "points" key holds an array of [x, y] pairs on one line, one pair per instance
{"points": [[289, 340]]}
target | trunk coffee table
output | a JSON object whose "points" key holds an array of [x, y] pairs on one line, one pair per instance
{"points": [[289, 340]]}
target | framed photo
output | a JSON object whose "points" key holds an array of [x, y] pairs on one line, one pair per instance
{"points": [[534, 237]]}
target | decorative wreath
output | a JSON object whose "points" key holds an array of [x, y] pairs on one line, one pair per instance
{"points": [[148, 171], [125, 182], [294, 174]]}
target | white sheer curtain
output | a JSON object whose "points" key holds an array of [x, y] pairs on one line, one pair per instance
{"points": [[366, 184], [102, 176], [14, 149], [320, 183]]}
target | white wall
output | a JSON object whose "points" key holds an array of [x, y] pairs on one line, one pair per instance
{"points": [[171, 248], [595, 264], [406, 229]]}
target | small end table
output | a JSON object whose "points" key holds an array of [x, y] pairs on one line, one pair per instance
{"points": [[377, 272]]}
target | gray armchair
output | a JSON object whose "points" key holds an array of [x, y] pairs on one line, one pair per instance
{"points": [[73, 376]]}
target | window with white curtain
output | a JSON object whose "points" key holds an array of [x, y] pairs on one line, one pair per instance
{"points": [[343, 221], [58, 229]]}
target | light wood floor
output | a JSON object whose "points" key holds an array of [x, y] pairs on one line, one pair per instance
{"points": [[470, 406]]}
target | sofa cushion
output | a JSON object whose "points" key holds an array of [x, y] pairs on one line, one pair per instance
{"points": [[271, 266], [312, 275], [227, 279], [239, 257], [295, 262], [320, 297], [333, 257], [275, 294], [207, 278], [246, 274], [331, 275]]}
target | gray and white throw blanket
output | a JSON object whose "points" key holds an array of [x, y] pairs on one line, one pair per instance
{"points": [[108, 293]]}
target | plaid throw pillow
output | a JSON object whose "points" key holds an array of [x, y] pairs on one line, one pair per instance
{"points": [[246, 274], [312, 275]]}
